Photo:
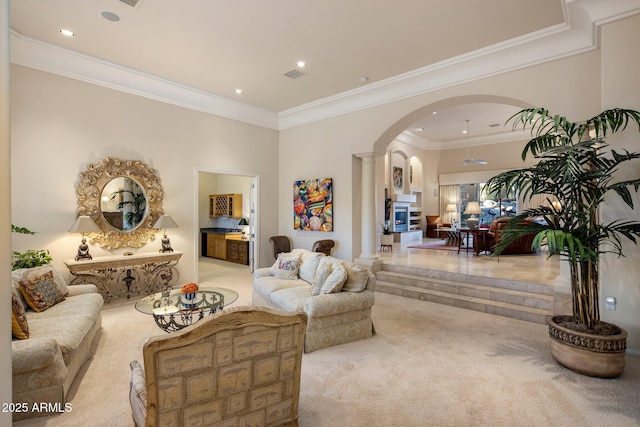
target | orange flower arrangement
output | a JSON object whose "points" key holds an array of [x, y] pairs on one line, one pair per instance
{"points": [[189, 288]]}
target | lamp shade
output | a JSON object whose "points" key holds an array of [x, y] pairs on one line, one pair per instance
{"points": [[165, 221], [243, 221], [473, 208], [451, 207], [84, 224]]}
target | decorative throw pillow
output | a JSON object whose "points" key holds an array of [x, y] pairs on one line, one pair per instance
{"points": [[335, 280], [287, 267], [309, 265], [21, 274], [19, 325], [357, 278], [323, 271], [41, 292]]}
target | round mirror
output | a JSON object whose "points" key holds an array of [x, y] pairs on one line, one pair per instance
{"points": [[123, 203], [124, 198]]}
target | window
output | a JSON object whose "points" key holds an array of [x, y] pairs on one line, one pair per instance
{"points": [[492, 205]]}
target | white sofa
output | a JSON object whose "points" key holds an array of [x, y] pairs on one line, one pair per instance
{"points": [[338, 312], [59, 342]]}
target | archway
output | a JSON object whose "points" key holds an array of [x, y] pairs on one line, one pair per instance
{"points": [[382, 143]]}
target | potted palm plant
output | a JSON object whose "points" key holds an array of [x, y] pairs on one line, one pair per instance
{"points": [[576, 171]]}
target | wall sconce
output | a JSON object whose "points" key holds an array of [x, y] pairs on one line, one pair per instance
{"points": [[165, 221], [243, 222], [84, 224]]}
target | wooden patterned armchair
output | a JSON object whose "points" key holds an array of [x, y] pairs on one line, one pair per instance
{"points": [[238, 367]]}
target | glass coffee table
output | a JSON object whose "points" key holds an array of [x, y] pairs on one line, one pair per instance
{"points": [[172, 311]]}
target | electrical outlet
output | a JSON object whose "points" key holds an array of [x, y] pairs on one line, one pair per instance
{"points": [[610, 303]]}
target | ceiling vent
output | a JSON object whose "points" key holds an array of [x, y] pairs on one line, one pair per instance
{"points": [[294, 74], [133, 3]]}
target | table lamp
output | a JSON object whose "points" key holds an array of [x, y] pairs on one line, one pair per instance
{"points": [[243, 222], [473, 208], [165, 221], [84, 224], [451, 208]]}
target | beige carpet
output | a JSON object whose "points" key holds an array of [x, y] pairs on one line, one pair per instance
{"points": [[428, 365]]}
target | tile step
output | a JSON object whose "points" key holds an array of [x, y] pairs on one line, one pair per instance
{"points": [[514, 311], [492, 282]]}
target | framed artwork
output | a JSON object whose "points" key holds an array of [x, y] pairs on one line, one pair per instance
{"points": [[397, 177], [313, 204]]}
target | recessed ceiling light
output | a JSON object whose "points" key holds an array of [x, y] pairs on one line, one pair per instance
{"points": [[420, 129], [435, 112], [239, 91], [110, 16], [67, 33], [364, 79], [301, 64]]}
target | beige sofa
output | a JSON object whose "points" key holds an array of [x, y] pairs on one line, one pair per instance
{"points": [[59, 342], [338, 312]]}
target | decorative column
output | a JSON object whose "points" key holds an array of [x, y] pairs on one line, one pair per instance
{"points": [[369, 257], [406, 180]]}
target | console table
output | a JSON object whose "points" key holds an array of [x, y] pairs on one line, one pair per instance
{"points": [[125, 275]]}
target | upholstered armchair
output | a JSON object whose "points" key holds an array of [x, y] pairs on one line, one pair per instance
{"points": [[522, 245], [280, 244], [240, 366], [323, 246]]}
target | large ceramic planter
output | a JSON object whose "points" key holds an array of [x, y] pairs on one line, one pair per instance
{"points": [[600, 356]]}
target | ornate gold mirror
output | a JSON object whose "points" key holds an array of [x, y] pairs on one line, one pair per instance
{"points": [[124, 198]]}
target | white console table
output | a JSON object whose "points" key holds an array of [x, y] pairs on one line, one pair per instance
{"points": [[125, 275]]}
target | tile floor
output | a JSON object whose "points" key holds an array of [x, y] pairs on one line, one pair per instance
{"points": [[534, 268]]}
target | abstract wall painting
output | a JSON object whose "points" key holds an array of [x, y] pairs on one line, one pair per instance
{"points": [[313, 205]]}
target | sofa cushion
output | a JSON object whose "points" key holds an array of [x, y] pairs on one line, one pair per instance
{"points": [[291, 299], [357, 278], [41, 292], [19, 323], [265, 286], [309, 262], [323, 271], [68, 331], [335, 280]]}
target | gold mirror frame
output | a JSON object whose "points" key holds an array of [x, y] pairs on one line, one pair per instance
{"points": [[89, 191]]}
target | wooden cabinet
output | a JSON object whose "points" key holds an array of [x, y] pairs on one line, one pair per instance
{"points": [[216, 246], [238, 251], [229, 205]]}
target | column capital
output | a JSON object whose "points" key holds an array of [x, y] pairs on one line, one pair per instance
{"points": [[370, 155]]}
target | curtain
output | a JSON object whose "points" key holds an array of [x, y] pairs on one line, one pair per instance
{"points": [[449, 194]]}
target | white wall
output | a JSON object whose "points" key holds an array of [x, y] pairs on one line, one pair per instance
{"points": [[60, 125], [621, 88]]}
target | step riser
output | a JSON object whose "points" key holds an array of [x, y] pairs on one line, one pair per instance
{"points": [[510, 298], [531, 300], [469, 305], [466, 278]]}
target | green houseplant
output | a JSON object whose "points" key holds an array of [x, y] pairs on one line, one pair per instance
{"points": [[31, 258], [576, 170]]}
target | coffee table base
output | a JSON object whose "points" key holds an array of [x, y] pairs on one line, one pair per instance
{"points": [[181, 319]]}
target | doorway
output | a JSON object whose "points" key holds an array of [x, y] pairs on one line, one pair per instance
{"points": [[211, 181]]}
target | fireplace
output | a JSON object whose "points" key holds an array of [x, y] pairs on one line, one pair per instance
{"points": [[400, 217]]}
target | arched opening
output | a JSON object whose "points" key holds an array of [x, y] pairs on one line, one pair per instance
{"points": [[426, 162]]}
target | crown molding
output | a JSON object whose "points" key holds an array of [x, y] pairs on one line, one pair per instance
{"points": [[64, 62], [577, 35], [415, 140]]}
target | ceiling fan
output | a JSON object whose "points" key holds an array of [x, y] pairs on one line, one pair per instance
{"points": [[468, 160]]}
